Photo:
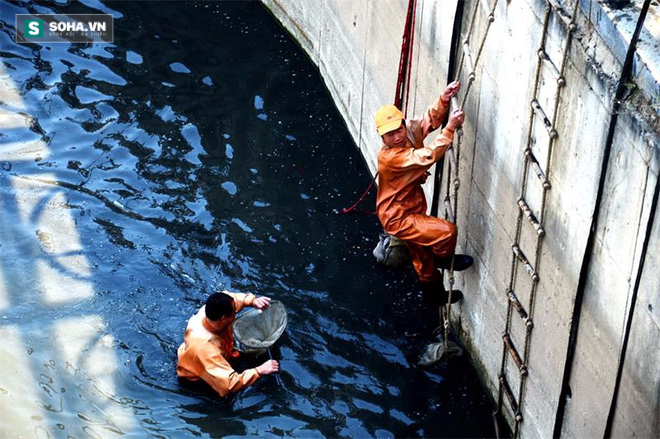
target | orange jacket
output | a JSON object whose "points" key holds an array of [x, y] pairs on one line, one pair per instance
{"points": [[204, 352], [402, 170]]}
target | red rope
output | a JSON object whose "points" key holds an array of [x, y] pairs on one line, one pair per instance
{"points": [[410, 56], [405, 64], [357, 203], [402, 82]]}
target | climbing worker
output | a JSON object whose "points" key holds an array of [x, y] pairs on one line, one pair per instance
{"points": [[209, 344], [403, 164]]}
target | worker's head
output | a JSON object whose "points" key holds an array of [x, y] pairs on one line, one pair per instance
{"points": [[390, 125], [220, 310]]}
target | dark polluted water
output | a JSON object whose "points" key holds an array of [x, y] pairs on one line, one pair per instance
{"points": [[199, 151]]}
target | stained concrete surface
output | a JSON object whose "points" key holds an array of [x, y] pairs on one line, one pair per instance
{"points": [[356, 46]]}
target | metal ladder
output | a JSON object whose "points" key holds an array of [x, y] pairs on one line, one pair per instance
{"points": [[539, 117]]}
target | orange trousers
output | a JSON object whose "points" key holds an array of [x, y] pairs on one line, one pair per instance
{"points": [[427, 237]]}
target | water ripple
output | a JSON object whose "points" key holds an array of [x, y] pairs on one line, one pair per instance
{"points": [[192, 161]]}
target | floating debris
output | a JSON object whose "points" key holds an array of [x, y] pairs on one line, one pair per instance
{"points": [[435, 351]]}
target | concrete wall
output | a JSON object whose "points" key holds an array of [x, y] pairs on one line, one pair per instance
{"points": [[356, 46]]}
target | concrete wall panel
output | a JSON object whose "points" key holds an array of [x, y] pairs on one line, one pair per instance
{"points": [[467, 155], [639, 392], [498, 169], [609, 285], [494, 250], [511, 68], [357, 47], [431, 52], [342, 55], [303, 21], [386, 23], [483, 312]]}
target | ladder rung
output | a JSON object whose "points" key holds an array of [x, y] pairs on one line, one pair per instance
{"points": [[509, 396], [530, 216], [537, 168], [468, 58], [454, 167], [523, 260], [516, 304], [558, 76], [548, 125], [514, 354], [449, 211], [521, 310], [487, 10], [563, 15]]}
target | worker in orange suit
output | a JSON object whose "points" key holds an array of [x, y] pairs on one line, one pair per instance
{"points": [[403, 164], [209, 344]]}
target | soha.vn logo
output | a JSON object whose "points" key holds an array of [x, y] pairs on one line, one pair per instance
{"points": [[34, 28]]}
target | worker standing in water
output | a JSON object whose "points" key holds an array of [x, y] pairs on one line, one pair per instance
{"points": [[403, 164], [208, 344]]}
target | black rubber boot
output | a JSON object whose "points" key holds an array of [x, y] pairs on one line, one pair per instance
{"points": [[435, 294], [461, 262]]}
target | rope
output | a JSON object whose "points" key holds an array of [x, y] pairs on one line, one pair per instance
{"points": [[364, 195], [451, 212], [410, 56], [402, 86], [405, 63]]}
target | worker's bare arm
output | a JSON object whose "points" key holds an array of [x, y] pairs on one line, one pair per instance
{"points": [[270, 366]]}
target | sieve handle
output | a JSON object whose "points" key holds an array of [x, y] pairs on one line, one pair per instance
{"points": [[277, 377]]}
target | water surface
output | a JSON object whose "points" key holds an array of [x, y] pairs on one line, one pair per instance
{"points": [[200, 151]]}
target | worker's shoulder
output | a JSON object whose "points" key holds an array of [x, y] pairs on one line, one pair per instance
{"points": [[392, 155], [196, 332], [201, 343], [391, 151]]}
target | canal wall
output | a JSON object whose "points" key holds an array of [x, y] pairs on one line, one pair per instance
{"points": [[588, 327]]}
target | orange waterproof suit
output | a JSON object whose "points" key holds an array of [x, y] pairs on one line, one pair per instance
{"points": [[204, 352], [401, 204]]}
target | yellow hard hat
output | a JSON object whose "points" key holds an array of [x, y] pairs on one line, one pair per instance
{"points": [[388, 118]]}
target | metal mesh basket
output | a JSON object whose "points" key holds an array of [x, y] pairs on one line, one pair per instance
{"points": [[256, 330]]}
